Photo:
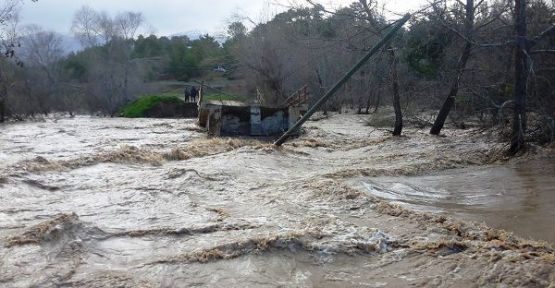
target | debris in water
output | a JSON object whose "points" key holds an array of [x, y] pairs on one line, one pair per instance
{"points": [[182, 231], [127, 154], [39, 185], [44, 232], [332, 189], [222, 214], [311, 241], [176, 173], [208, 147]]}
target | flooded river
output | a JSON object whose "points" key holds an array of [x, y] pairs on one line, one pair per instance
{"points": [[94, 202], [516, 197]]}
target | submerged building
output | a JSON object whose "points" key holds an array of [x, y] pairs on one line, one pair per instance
{"points": [[233, 118]]}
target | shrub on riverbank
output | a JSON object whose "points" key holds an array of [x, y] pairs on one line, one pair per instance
{"points": [[147, 105]]}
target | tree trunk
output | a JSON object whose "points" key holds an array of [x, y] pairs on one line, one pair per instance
{"points": [[368, 104], [3, 95], [126, 84], [2, 109], [521, 78], [360, 90], [396, 96], [378, 102], [322, 91], [393, 67], [461, 65]]}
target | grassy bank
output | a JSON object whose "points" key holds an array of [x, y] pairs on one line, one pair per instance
{"points": [[140, 107]]}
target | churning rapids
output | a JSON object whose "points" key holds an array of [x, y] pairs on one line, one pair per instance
{"points": [[90, 202]]}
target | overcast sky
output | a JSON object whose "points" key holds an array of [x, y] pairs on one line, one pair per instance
{"points": [[170, 17]]}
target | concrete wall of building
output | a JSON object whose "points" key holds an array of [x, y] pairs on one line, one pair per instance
{"points": [[243, 120]]}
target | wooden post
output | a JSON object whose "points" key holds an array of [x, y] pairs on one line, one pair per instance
{"points": [[201, 93], [343, 80], [200, 106]]}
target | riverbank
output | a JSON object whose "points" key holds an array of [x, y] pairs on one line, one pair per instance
{"points": [[149, 203]]}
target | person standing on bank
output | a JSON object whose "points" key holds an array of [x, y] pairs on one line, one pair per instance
{"points": [[194, 93], [187, 94]]}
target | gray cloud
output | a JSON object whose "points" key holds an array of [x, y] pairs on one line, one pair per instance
{"points": [[170, 17]]}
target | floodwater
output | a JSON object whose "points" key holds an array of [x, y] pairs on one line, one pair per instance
{"points": [[519, 197], [92, 202]]}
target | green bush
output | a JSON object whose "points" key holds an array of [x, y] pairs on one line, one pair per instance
{"points": [[140, 107]]}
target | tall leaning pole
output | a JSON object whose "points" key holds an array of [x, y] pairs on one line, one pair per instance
{"points": [[387, 38]]}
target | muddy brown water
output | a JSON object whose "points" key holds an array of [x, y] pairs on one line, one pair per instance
{"points": [[518, 197], [89, 202]]}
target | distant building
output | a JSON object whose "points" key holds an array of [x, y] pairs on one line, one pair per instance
{"points": [[220, 69]]}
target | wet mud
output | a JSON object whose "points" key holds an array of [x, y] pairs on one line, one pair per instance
{"points": [[153, 203]]}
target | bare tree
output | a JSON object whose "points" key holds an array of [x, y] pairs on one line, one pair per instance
{"points": [[396, 95], [521, 77], [470, 9], [85, 26], [42, 52], [111, 67], [523, 68], [370, 23], [377, 28], [261, 59], [127, 24], [9, 11]]}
